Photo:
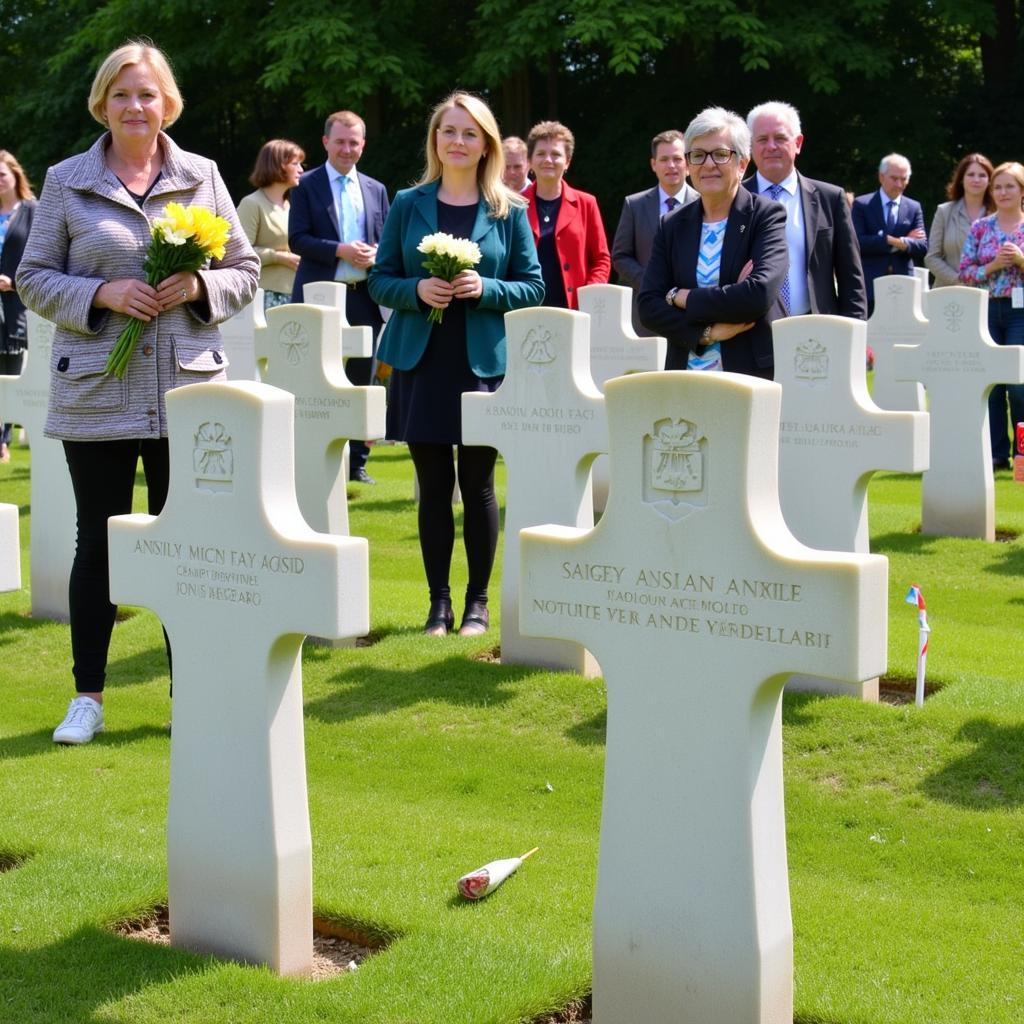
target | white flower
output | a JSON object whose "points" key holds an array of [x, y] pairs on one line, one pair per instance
{"points": [[442, 244], [164, 227]]}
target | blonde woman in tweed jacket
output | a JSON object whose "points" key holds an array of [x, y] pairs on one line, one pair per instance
{"points": [[83, 269]]}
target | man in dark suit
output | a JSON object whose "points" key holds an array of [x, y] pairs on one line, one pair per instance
{"points": [[334, 224], [889, 225], [643, 212], [825, 274]]}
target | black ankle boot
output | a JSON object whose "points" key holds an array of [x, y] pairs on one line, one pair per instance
{"points": [[441, 618], [476, 619]]}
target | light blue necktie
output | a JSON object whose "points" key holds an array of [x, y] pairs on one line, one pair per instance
{"points": [[349, 231]]}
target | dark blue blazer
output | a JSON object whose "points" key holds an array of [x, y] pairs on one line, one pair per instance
{"points": [[508, 266], [313, 231], [875, 254], [755, 230]]}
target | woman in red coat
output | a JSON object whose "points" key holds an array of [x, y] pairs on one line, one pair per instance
{"points": [[566, 223]]}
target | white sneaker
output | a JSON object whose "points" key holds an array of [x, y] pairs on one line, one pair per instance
{"points": [[83, 720]]}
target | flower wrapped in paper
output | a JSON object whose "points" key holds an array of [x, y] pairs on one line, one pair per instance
{"points": [[447, 256], [482, 882], [183, 240]]}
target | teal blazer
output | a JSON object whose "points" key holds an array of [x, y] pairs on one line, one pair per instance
{"points": [[508, 267]]}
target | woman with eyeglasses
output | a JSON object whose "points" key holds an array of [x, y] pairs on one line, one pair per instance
{"points": [[717, 267]]}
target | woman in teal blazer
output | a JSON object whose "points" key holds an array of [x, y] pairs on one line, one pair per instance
{"points": [[461, 193]]}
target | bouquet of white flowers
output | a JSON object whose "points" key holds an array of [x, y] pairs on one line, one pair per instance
{"points": [[447, 256]]}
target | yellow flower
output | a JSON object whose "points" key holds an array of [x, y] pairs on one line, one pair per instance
{"points": [[178, 220], [211, 231]]}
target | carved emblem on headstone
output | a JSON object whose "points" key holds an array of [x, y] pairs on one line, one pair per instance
{"points": [[212, 458], [536, 347], [954, 314], [597, 311], [294, 341], [810, 361], [674, 466], [893, 292]]}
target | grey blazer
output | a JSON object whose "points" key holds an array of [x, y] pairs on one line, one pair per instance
{"points": [[946, 240], [88, 230]]}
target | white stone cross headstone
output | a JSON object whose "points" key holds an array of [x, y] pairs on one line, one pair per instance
{"points": [[356, 342], [303, 347], [52, 532], [832, 439], [924, 276], [698, 602], [10, 549], [239, 337], [959, 364], [615, 350], [237, 578], [547, 420], [898, 319]]}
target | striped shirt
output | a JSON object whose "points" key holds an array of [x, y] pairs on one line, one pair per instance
{"points": [[709, 264]]}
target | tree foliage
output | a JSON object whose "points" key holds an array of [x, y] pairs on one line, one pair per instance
{"points": [[931, 79]]}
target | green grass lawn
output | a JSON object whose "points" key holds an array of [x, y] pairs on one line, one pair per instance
{"points": [[905, 828]]}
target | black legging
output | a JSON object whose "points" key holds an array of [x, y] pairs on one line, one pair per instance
{"points": [[103, 478], [435, 470]]}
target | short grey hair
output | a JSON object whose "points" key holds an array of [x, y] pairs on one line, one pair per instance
{"points": [[785, 112], [883, 166], [718, 119]]}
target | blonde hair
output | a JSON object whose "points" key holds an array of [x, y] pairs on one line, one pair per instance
{"points": [[136, 51], [1013, 169], [499, 198], [22, 188]]}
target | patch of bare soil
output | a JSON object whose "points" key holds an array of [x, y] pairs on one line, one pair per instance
{"points": [[333, 952]]}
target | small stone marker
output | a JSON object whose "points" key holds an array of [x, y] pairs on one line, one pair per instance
{"points": [[698, 602], [239, 337], [237, 578], [302, 344], [615, 350], [23, 400], [898, 319], [547, 420], [832, 438], [959, 364], [10, 549]]}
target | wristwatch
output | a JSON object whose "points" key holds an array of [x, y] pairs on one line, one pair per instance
{"points": [[670, 296], [705, 336]]}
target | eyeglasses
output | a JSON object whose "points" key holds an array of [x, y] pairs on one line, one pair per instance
{"points": [[718, 156]]}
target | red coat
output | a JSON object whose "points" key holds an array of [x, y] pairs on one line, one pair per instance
{"points": [[579, 239]]}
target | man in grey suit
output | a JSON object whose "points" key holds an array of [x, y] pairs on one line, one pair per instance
{"points": [[334, 223], [825, 273], [643, 212]]}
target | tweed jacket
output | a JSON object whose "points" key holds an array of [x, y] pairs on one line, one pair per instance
{"points": [[89, 230]]}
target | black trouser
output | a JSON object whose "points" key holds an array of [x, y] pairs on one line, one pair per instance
{"points": [[103, 478], [361, 311], [11, 364], [435, 471]]}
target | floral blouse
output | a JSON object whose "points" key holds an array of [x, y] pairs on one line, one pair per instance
{"points": [[981, 248]]}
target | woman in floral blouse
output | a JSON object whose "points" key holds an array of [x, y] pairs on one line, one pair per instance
{"points": [[993, 258]]}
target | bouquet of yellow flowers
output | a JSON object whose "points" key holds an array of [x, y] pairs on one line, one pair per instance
{"points": [[447, 256], [182, 240]]}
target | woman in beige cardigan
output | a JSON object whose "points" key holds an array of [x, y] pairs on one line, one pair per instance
{"points": [[83, 270], [264, 217], [969, 196]]}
